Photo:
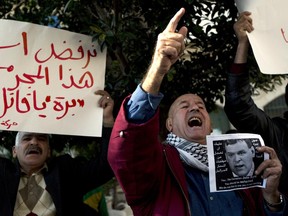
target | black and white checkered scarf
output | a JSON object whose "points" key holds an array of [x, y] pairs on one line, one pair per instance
{"points": [[193, 154]]}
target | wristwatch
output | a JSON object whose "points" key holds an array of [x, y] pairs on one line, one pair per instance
{"points": [[278, 205]]}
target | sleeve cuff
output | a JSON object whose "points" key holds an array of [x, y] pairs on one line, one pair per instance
{"points": [[238, 68]]}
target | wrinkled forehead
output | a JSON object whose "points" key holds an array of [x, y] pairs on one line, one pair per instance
{"points": [[186, 98], [20, 135], [189, 97]]}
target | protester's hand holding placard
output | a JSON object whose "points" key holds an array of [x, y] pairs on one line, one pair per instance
{"points": [[269, 40]]}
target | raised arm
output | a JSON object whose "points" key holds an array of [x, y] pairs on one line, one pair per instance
{"points": [[241, 27], [170, 45]]}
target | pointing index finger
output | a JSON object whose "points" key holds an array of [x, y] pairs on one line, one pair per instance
{"points": [[172, 25]]}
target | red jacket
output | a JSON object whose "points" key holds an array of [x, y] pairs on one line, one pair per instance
{"points": [[150, 173]]}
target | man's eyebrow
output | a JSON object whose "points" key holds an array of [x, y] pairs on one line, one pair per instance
{"points": [[182, 102], [26, 135]]}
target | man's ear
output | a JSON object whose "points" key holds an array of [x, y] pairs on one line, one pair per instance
{"points": [[14, 151], [169, 124]]}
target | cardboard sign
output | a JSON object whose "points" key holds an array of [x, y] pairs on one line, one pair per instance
{"points": [[48, 80], [269, 40]]}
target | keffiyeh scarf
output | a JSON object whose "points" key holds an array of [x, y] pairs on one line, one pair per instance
{"points": [[193, 154]]}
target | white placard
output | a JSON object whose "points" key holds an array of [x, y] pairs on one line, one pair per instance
{"points": [[269, 40], [233, 168], [48, 80]]}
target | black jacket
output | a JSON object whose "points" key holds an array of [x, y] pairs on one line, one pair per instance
{"points": [[67, 180], [247, 117]]}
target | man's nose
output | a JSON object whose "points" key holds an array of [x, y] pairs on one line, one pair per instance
{"points": [[237, 158], [34, 141], [194, 108]]}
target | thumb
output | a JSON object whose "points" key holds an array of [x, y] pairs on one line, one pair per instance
{"points": [[183, 30]]}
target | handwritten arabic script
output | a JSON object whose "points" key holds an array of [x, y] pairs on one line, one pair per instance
{"points": [[285, 37], [46, 73]]}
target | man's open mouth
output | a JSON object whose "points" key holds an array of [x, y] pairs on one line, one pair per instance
{"points": [[33, 150], [194, 122]]}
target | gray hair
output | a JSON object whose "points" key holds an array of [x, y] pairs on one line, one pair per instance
{"points": [[20, 134]]}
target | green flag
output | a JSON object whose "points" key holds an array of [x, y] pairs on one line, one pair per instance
{"points": [[96, 200]]}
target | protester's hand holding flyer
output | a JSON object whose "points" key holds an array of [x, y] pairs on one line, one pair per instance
{"points": [[233, 159]]}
